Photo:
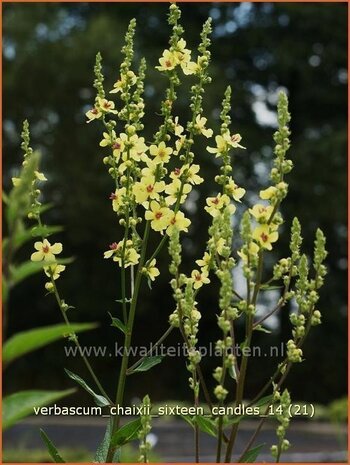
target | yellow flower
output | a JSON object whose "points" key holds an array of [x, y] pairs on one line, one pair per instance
{"points": [[199, 278], [224, 142], [191, 67], [118, 145], [136, 147], [129, 78], [268, 193], [40, 176], [106, 106], [219, 245], [182, 54], [167, 62], [159, 216], [234, 141], [161, 153], [113, 248], [200, 125], [116, 251], [131, 257], [215, 204], [265, 235], [179, 143], [178, 129], [93, 114], [236, 192], [54, 271], [108, 139], [46, 251], [151, 169], [253, 250], [173, 191], [178, 221], [221, 146], [151, 270], [204, 262], [147, 188], [261, 213], [191, 174], [117, 198]]}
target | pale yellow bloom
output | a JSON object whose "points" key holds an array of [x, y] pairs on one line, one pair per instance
{"points": [[199, 278], [161, 153], [191, 67], [116, 252], [225, 142], [108, 139], [235, 140], [168, 61], [147, 188], [54, 271], [215, 204], [106, 106], [129, 78], [268, 193], [179, 143], [151, 168], [46, 251], [253, 250], [219, 245], [265, 235], [205, 261], [261, 213], [173, 190], [178, 129], [113, 248], [159, 216], [135, 147], [40, 176], [178, 221], [151, 270], [92, 114], [200, 125], [236, 192], [117, 198], [191, 174]]}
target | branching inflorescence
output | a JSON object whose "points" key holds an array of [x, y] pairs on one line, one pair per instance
{"points": [[151, 183]]}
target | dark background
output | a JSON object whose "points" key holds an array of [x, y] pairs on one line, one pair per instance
{"points": [[49, 52]]}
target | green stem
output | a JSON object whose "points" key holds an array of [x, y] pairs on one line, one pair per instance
{"points": [[130, 370], [76, 341], [127, 341]]}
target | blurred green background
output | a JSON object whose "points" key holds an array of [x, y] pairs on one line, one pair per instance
{"points": [[49, 52]]}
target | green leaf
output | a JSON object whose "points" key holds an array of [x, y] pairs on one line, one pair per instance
{"points": [[266, 287], [262, 329], [206, 425], [252, 454], [126, 433], [102, 449], [26, 269], [148, 363], [100, 400], [118, 324], [232, 421], [38, 231], [263, 401], [189, 419], [232, 372], [27, 341], [51, 448], [21, 404]]}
